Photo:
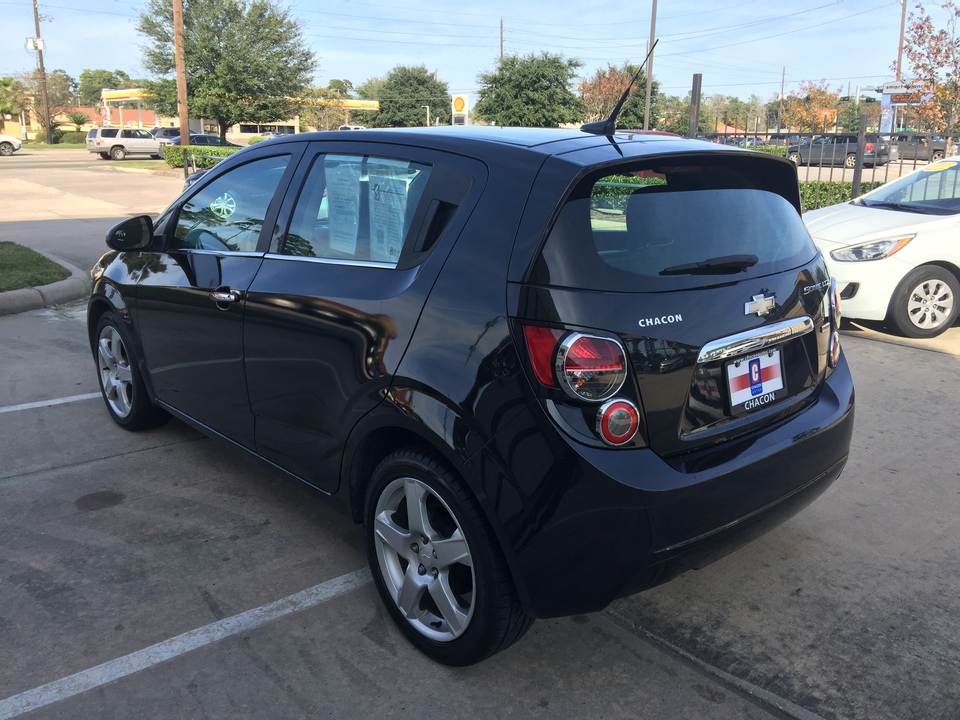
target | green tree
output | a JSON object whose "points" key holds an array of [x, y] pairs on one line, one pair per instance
{"points": [[530, 91], [600, 93], [813, 109], [405, 93], [61, 94], [13, 98], [93, 82], [246, 60]]}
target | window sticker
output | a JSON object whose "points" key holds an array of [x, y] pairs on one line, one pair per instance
{"points": [[388, 208], [342, 174]]}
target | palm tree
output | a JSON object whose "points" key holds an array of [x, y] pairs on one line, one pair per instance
{"points": [[78, 119]]}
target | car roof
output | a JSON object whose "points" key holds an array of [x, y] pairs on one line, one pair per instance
{"points": [[481, 139]]}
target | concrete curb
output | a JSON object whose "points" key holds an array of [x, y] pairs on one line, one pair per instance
{"points": [[75, 287]]}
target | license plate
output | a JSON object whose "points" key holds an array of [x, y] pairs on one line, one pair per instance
{"points": [[755, 381]]}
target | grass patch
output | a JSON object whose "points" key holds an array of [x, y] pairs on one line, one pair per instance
{"points": [[21, 267]]}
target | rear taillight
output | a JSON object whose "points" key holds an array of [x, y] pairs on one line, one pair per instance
{"points": [[541, 343], [590, 368], [617, 422], [868, 147]]}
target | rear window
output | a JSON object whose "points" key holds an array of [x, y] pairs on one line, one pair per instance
{"points": [[650, 228]]}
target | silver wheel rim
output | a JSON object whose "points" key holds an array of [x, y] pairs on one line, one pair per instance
{"points": [[930, 304], [116, 378], [424, 559]]}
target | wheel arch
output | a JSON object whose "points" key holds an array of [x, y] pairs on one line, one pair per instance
{"points": [[105, 297], [430, 422]]}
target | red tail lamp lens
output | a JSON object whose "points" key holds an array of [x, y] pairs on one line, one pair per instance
{"points": [[541, 345], [868, 147], [591, 368], [617, 422]]}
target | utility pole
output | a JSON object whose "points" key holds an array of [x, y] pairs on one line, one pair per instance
{"points": [[43, 77], [501, 39], [653, 35], [903, 26], [783, 82], [180, 64]]}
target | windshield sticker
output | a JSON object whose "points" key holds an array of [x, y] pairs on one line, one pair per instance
{"points": [[343, 201], [224, 206], [388, 209], [939, 167]]}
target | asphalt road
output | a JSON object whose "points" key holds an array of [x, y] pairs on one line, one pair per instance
{"points": [[160, 575]]}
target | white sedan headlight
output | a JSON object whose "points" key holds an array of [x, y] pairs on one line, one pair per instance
{"points": [[875, 250]]}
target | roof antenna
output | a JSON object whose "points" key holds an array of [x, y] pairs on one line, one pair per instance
{"points": [[609, 126]]}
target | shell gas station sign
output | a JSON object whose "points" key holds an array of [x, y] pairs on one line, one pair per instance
{"points": [[459, 107]]}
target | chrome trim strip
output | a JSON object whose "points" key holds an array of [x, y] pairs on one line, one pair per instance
{"points": [[334, 261], [753, 340]]}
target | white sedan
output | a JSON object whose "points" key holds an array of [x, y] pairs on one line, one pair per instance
{"points": [[895, 251], [9, 144]]}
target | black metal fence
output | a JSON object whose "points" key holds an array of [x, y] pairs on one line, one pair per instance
{"points": [[836, 167]]}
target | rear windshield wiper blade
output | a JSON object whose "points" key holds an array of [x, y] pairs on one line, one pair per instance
{"points": [[714, 266]]}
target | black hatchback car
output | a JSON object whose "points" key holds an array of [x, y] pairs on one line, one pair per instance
{"points": [[544, 368]]}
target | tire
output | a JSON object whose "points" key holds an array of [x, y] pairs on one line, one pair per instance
{"points": [[156, 157], [925, 302], [850, 161], [458, 607], [6, 149], [118, 153], [104, 155], [794, 157], [936, 156], [121, 384]]}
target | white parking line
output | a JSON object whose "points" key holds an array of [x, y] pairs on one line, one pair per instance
{"points": [[47, 403], [108, 672]]}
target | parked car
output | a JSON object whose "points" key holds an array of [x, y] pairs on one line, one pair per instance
{"points": [[921, 147], [205, 140], [9, 144], [351, 127], [116, 143], [785, 139], [841, 149], [750, 141], [894, 250], [494, 347], [165, 134]]}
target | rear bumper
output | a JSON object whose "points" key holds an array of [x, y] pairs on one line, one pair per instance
{"points": [[601, 524]]}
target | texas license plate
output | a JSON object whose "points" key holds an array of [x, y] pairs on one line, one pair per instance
{"points": [[755, 381]]}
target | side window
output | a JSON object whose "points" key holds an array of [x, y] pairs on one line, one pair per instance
{"points": [[227, 214], [108, 133], [356, 208]]}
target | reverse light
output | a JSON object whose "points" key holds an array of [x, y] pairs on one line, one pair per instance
{"points": [[875, 250], [617, 422], [591, 368]]}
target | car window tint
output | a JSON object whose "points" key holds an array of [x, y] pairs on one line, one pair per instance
{"points": [[108, 132], [620, 232], [356, 208], [227, 214]]}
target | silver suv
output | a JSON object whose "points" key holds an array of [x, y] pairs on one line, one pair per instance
{"points": [[117, 143]]}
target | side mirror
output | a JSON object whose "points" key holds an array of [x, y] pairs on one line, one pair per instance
{"points": [[131, 235]]}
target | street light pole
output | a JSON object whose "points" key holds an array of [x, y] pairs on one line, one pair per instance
{"points": [[427, 107]]}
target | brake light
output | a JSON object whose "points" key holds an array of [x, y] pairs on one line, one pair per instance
{"points": [[541, 342], [591, 368], [869, 147]]}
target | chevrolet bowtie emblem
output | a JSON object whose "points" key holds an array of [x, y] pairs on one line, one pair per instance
{"points": [[760, 305]]}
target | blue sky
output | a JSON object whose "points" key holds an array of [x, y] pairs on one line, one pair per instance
{"points": [[741, 47]]}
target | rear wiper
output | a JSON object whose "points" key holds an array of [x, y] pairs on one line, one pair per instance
{"points": [[714, 266]]}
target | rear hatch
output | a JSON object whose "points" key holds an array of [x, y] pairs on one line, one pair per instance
{"points": [[708, 282]]}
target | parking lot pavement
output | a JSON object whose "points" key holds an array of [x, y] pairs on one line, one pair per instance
{"points": [[849, 609], [160, 574]]}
